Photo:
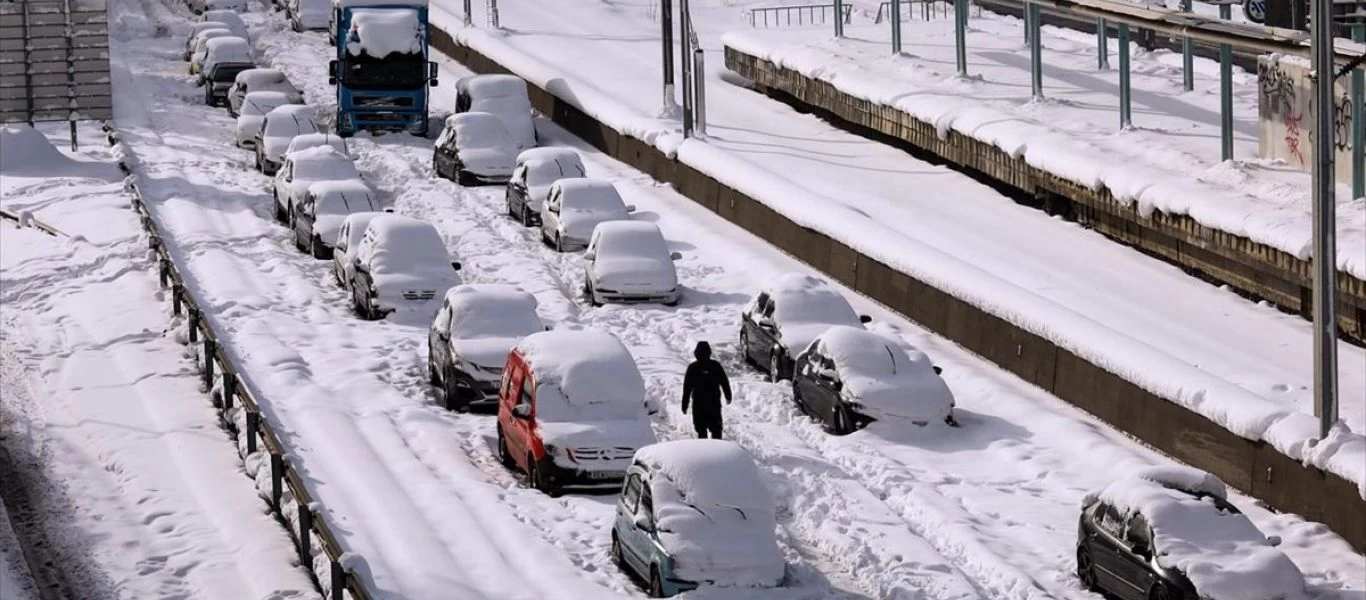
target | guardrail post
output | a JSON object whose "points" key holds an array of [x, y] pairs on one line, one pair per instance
{"points": [[700, 111], [163, 268], [1225, 92], [253, 429], [305, 527], [1124, 116], [469, 16], [896, 26], [277, 476], [839, 18], [960, 35], [209, 350], [1102, 45], [229, 390], [338, 580], [1358, 121], [1035, 48], [1187, 55], [193, 324], [176, 290]]}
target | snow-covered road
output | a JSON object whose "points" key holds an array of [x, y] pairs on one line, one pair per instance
{"points": [[984, 511]]}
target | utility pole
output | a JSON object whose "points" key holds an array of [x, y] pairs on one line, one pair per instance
{"points": [[666, 24], [1325, 232], [684, 31]]}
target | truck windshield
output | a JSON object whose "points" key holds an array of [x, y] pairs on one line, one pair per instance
{"points": [[393, 72]]}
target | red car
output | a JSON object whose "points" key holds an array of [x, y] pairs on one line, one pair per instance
{"points": [[571, 410]]}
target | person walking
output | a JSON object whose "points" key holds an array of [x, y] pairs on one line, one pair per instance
{"points": [[703, 385]]}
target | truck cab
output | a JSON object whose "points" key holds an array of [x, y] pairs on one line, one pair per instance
{"points": [[381, 71]]}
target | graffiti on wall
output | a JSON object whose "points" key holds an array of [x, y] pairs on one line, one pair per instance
{"points": [[1286, 111]]}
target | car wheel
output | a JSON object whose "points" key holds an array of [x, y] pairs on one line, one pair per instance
{"points": [[258, 162], [744, 347], [503, 455], [538, 479], [559, 243], [616, 551], [588, 292], [431, 369], [280, 214], [436, 168], [1086, 570], [464, 179], [656, 584], [318, 249], [456, 399], [775, 365], [208, 95], [1162, 592], [839, 421], [799, 400]]}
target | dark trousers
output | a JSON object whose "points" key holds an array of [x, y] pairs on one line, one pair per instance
{"points": [[705, 421]]}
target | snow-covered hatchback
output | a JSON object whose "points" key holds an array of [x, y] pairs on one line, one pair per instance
{"points": [[400, 264], [301, 169], [253, 109], [278, 129], [574, 207], [1169, 533], [694, 512], [319, 215], [537, 169], [786, 314], [260, 80], [629, 262], [470, 338]]}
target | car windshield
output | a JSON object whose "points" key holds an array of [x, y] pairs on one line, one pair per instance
{"points": [[345, 202], [546, 172], [481, 133], [289, 124], [398, 71], [633, 242], [598, 199], [326, 168], [256, 106], [494, 319]]}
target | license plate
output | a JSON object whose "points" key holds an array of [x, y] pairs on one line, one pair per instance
{"points": [[606, 474]]}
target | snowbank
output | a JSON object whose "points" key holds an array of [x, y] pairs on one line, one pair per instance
{"points": [[714, 515], [25, 152], [1197, 533], [381, 32]]}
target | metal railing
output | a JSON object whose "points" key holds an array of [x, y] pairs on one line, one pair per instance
{"points": [[218, 372], [799, 15], [928, 10]]}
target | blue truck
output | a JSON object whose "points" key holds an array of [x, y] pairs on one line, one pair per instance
{"points": [[382, 73]]}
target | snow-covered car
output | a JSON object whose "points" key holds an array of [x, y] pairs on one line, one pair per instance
{"points": [[501, 95], [849, 377], [253, 110], [468, 343], [199, 28], [206, 6], [277, 129], [260, 80], [228, 17], [400, 264], [319, 214], [694, 511], [474, 149], [785, 316], [301, 169], [628, 262], [535, 171], [199, 45], [571, 410], [314, 140], [574, 207], [1170, 533], [224, 58], [310, 15], [348, 237]]}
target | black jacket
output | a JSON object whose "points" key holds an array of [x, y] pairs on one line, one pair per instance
{"points": [[705, 382]]}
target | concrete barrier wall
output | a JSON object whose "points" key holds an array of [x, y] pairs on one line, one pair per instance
{"points": [[1252, 467]]}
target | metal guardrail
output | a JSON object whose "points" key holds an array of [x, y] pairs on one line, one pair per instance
{"points": [[927, 10], [31, 221], [806, 14], [217, 366]]}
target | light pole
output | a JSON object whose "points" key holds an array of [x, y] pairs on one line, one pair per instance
{"points": [[1325, 233], [666, 26]]}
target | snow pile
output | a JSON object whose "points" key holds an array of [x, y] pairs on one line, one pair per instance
{"points": [[320, 163], [24, 152], [1198, 533], [880, 376], [487, 320], [583, 376], [714, 515], [380, 32]]}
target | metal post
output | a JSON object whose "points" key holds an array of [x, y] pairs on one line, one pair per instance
{"points": [[839, 18], [277, 474], [253, 429], [1035, 50], [469, 14], [1358, 120], [1325, 233], [1102, 45], [666, 31], [176, 290], [684, 27], [1124, 116], [1226, 91], [192, 325], [305, 527], [1187, 55], [1026, 16], [229, 390], [210, 348], [700, 89], [493, 14], [338, 581], [960, 42], [896, 26]]}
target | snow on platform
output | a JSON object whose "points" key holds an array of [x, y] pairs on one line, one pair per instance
{"points": [[143, 492], [1245, 366]]}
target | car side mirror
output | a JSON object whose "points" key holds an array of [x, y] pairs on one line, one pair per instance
{"points": [[1273, 540], [865, 319], [547, 328], [675, 256], [522, 411], [767, 323], [643, 523], [388, 210], [590, 255], [938, 370], [630, 208], [838, 385], [434, 82], [455, 264]]}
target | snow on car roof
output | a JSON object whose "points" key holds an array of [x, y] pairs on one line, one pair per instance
{"points": [[381, 32], [859, 351], [227, 45], [885, 379], [805, 298], [583, 370], [630, 238], [224, 16], [492, 86], [261, 103], [492, 310], [342, 196], [708, 472], [290, 119], [547, 164], [406, 241], [1198, 533], [260, 76], [314, 140], [479, 129], [588, 193]]}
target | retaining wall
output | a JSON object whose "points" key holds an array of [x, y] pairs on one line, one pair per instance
{"points": [[1253, 467]]}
